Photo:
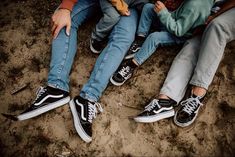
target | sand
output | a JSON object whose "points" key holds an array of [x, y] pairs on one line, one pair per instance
{"points": [[24, 59]]}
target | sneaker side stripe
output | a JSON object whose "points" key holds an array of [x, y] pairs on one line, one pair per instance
{"points": [[82, 110], [43, 109], [48, 96], [161, 109], [77, 123]]}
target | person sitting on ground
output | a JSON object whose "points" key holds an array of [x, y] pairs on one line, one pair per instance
{"points": [[175, 28], [193, 69]]}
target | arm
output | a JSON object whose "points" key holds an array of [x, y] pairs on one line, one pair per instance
{"points": [[121, 6], [61, 18], [178, 26], [226, 6], [67, 4]]}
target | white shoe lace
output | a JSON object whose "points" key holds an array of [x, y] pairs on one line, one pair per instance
{"points": [[152, 105], [190, 104], [124, 71], [92, 111], [39, 93], [135, 47]]}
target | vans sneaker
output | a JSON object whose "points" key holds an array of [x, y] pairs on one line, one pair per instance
{"points": [[48, 98], [156, 110], [124, 72], [188, 111], [84, 111]]}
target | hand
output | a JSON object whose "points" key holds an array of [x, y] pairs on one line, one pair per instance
{"points": [[127, 13], [60, 19], [159, 6]]}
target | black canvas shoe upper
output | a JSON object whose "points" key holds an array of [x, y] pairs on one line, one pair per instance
{"points": [[135, 47], [189, 109], [124, 72], [157, 106], [86, 111], [45, 96]]}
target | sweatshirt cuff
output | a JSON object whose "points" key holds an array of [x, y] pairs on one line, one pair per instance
{"points": [[163, 12], [67, 4]]}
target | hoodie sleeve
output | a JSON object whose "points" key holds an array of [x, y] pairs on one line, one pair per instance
{"points": [[182, 24], [67, 4]]}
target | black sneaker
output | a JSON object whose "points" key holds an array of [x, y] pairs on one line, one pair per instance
{"points": [[84, 112], [156, 110], [188, 111], [135, 47], [47, 99], [124, 72], [96, 46]]}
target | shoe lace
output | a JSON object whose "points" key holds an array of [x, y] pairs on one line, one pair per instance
{"points": [[39, 93], [152, 105], [190, 104], [92, 110], [134, 46], [124, 71]]}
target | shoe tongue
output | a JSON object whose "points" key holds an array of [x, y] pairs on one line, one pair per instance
{"points": [[53, 89], [164, 102], [198, 97]]}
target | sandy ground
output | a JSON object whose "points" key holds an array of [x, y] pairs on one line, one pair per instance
{"points": [[24, 59]]}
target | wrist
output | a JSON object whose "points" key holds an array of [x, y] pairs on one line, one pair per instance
{"points": [[65, 10]]}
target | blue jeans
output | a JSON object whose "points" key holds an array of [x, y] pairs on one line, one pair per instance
{"points": [[120, 40], [110, 18], [155, 39], [64, 47]]}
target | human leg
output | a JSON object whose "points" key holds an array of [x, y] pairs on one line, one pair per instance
{"points": [[107, 22], [63, 51], [153, 41], [120, 40], [125, 71], [84, 107], [181, 70], [64, 47], [217, 34], [175, 83]]}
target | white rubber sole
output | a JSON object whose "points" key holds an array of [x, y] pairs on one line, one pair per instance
{"points": [[43, 109], [115, 83], [184, 124], [129, 56], [151, 119], [94, 50], [77, 123]]}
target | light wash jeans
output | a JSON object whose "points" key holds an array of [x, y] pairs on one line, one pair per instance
{"points": [[120, 40], [110, 18], [198, 61], [155, 39], [64, 47]]}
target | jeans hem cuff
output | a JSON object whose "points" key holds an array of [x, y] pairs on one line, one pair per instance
{"points": [[202, 85], [57, 86], [171, 96]]}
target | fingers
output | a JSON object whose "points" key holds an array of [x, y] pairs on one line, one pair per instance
{"points": [[57, 30], [158, 6], [68, 27], [128, 13]]}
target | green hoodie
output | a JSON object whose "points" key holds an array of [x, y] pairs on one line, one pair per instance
{"points": [[188, 16]]}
